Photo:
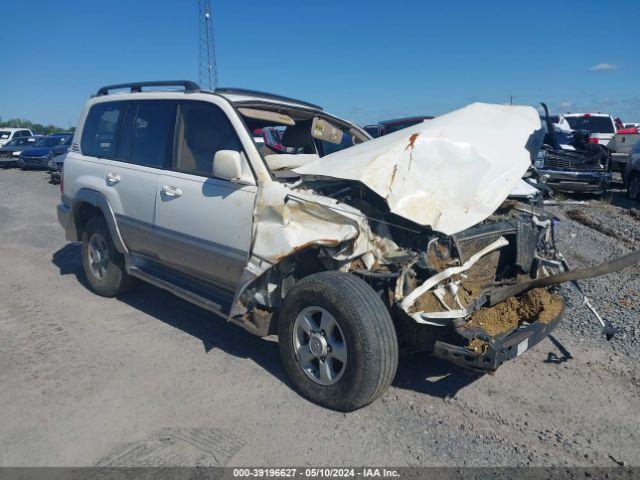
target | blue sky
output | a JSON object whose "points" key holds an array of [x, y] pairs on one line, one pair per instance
{"points": [[365, 60]]}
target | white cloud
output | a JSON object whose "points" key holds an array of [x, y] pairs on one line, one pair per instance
{"points": [[604, 67], [565, 105]]}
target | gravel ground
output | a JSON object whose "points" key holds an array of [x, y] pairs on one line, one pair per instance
{"points": [[615, 296], [148, 379]]}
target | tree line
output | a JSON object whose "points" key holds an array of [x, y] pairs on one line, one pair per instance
{"points": [[36, 128]]}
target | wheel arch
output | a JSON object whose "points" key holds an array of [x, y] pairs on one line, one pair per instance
{"points": [[86, 204]]}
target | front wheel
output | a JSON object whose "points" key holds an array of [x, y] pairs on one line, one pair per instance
{"points": [[337, 341]]}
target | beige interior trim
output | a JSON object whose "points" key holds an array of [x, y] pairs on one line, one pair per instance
{"points": [[280, 118]]}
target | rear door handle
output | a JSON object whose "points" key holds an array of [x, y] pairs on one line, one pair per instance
{"points": [[112, 178], [171, 191]]}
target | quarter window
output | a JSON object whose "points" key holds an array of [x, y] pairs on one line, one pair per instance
{"points": [[99, 135], [202, 130]]}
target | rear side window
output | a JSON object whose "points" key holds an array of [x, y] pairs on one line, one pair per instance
{"points": [[152, 133], [99, 135], [202, 130]]}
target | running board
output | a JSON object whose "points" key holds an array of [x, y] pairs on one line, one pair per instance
{"points": [[183, 293]]}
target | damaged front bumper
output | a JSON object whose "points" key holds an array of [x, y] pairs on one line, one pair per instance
{"points": [[579, 182], [496, 351]]}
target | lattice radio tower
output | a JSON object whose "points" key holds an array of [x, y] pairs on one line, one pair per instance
{"points": [[208, 70]]}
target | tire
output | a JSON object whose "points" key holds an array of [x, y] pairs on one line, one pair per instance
{"points": [[105, 274], [633, 187], [364, 328]]}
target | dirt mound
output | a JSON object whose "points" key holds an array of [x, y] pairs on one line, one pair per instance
{"points": [[427, 303], [536, 305]]}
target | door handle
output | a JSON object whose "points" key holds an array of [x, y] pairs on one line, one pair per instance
{"points": [[112, 178], [171, 191]]}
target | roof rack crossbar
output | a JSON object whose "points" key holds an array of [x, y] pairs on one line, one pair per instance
{"points": [[270, 96], [136, 87]]}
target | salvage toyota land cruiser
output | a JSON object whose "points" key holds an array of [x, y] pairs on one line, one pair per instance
{"points": [[349, 249]]}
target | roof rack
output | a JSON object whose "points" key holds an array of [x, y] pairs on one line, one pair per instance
{"points": [[267, 96], [136, 87]]}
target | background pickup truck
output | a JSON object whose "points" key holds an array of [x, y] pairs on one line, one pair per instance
{"points": [[621, 145]]}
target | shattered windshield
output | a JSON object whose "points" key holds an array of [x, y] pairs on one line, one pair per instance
{"points": [[288, 138]]}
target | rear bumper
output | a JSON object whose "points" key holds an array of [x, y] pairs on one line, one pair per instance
{"points": [[568, 181], [497, 352]]}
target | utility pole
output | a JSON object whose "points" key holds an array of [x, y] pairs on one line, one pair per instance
{"points": [[208, 77]]}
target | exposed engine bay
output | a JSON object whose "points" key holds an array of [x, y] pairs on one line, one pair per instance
{"points": [[436, 286]]}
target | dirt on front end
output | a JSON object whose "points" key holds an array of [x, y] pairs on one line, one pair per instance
{"points": [[538, 305]]}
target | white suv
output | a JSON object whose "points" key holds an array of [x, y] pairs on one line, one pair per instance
{"points": [[347, 248], [8, 134]]}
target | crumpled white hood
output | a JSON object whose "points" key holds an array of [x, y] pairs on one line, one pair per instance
{"points": [[449, 173]]}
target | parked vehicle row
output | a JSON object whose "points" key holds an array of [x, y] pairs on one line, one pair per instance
{"points": [[10, 152], [349, 248], [37, 152], [44, 150]]}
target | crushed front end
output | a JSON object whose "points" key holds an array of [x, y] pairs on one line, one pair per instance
{"points": [[445, 292], [423, 216]]}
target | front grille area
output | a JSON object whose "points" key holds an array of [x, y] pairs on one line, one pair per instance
{"points": [[570, 161]]}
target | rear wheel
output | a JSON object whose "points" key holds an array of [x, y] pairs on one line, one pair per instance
{"points": [[633, 187], [103, 265], [337, 341]]}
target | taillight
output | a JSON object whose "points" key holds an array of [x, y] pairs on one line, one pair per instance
{"points": [[594, 140]]}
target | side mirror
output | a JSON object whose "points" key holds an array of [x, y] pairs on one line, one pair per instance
{"points": [[227, 165]]}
